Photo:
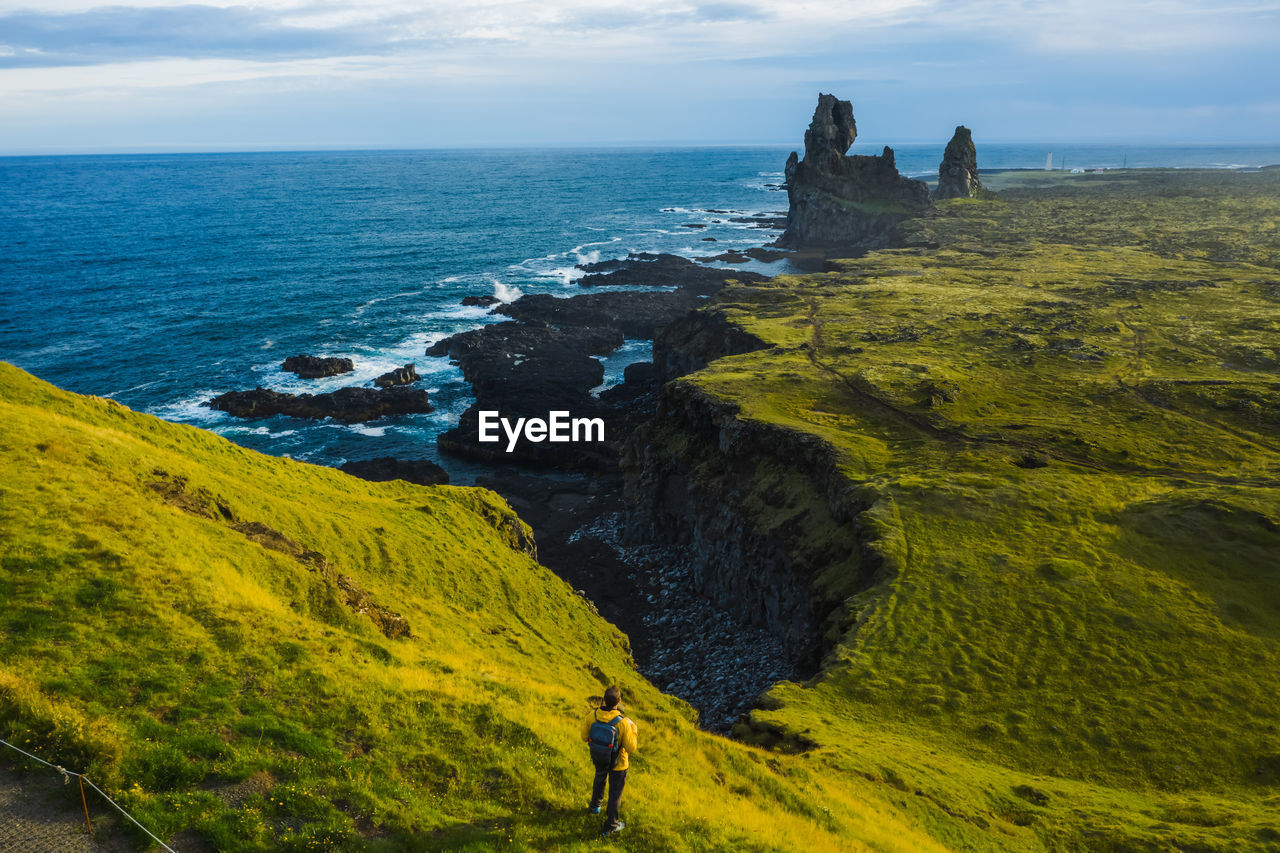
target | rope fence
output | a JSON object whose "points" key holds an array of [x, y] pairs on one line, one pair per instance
{"points": [[83, 780]]}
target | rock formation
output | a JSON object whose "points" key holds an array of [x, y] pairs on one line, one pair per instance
{"points": [[315, 367], [406, 375], [958, 172], [352, 405], [527, 370], [843, 201], [635, 313], [645, 269]]}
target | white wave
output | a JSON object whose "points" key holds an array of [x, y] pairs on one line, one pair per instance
{"points": [[563, 275], [255, 430], [372, 432], [360, 309], [584, 246], [115, 394], [505, 293], [190, 410], [460, 312]]}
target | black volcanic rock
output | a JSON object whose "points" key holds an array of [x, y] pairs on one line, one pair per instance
{"points": [[543, 360], [842, 201], [480, 301], [638, 373], [527, 370], [315, 367], [958, 172], [518, 361], [766, 221], [697, 340], [637, 314], [647, 269], [733, 256], [513, 344], [352, 405], [421, 472], [406, 375]]}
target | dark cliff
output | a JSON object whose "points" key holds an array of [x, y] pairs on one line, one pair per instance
{"points": [[772, 528]]}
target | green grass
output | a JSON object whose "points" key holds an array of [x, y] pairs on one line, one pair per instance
{"points": [[1068, 462], [179, 621], [1058, 432]]}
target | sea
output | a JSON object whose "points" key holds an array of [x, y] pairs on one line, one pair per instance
{"points": [[163, 280]]}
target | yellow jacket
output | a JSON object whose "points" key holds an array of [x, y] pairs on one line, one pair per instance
{"points": [[627, 729]]}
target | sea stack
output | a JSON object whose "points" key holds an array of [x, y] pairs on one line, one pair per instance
{"points": [[842, 201], [958, 172]]}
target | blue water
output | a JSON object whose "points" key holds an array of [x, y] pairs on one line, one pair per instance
{"points": [[164, 280]]}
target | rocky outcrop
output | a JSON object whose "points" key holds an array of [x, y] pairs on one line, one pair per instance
{"points": [[547, 359], [421, 472], [697, 340], [637, 314], [528, 354], [646, 269], [958, 172], [316, 367], [525, 370], [352, 405], [406, 375], [845, 202], [480, 301]]}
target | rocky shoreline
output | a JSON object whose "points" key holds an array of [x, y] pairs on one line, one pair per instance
{"points": [[350, 405], [573, 495], [660, 536]]}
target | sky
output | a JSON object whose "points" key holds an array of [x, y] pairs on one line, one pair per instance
{"points": [[148, 75]]}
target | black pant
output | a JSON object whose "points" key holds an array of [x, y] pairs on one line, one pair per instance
{"points": [[617, 778]]}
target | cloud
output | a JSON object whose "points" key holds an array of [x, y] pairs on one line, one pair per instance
{"points": [[1105, 26], [74, 32], [122, 33], [719, 66], [63, 34]]}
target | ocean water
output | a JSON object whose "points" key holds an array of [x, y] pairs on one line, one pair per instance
{"points": [[164, 280]]}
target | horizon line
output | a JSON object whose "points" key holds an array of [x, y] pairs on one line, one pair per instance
{"points": [[291, 148]]}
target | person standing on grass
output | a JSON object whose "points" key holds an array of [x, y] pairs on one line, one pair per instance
{"points": [[611, 737]]}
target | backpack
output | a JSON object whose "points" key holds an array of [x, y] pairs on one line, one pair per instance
{"points": [[605, 742]]}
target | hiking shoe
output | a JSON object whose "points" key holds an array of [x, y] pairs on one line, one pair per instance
{"points": [[613, 829], [593, 810]]}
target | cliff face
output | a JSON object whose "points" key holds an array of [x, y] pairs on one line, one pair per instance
{"points": [[698, 339], [761, 509], [843, 201], [958, 172]]}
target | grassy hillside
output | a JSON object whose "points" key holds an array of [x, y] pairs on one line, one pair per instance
{"points": [[1070, 455], [1067, 445], [265, 655]]}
